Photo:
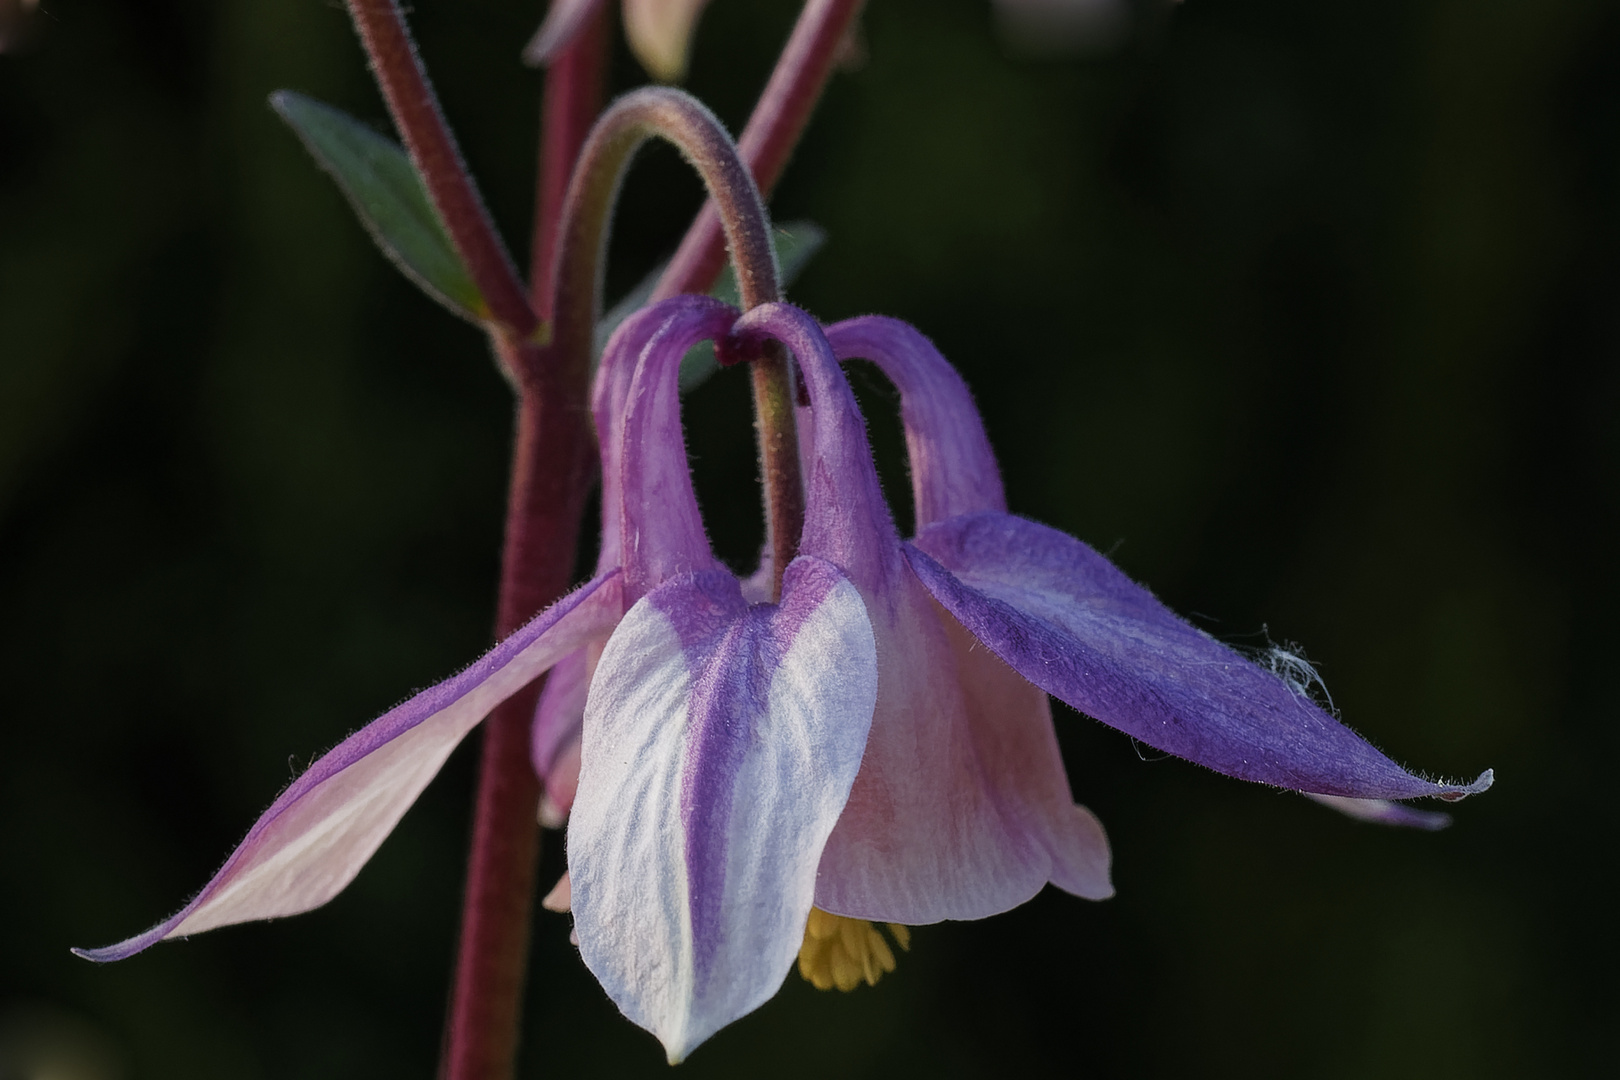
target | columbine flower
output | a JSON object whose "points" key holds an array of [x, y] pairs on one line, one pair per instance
{"points": [[757, 780], [659, 32]]}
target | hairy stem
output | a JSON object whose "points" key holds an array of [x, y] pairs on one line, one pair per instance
{"points": [[553, 462], [773, 130], [574, 90], [679, 118], [433, 149]]}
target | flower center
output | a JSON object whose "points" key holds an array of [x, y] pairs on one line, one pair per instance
{"points": [[845, 952]]}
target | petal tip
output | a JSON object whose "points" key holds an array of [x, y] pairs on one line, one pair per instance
{"points": [[1480, 784], [123, 950], [111, 953], [1425, 820], [561, 897], [551, 815], [677, 1045]]}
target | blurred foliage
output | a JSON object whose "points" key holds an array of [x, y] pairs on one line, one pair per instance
{"points": [[1309, 311]]}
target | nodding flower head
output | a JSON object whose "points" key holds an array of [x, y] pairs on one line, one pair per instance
{"points": [[750, 784]]}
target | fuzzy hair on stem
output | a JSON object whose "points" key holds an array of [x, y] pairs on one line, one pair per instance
{"points": [[679, 118], [432, 147]]}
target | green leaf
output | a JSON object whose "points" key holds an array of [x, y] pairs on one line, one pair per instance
{"points": [[388, 196], [795, 242]]}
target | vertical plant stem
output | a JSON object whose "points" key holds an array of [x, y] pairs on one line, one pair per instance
{"points": [[574, 90], [553, 460], [773, 130], [421, 123]]}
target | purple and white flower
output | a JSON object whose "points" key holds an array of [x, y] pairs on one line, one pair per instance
{"points": [[876, 745]]}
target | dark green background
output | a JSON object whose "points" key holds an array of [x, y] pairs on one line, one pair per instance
{"points": [[1309, 310]]}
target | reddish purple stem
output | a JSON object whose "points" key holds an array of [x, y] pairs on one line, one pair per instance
{"points": [[767, 142], [433, 149], [553, 464], [573, 99]]}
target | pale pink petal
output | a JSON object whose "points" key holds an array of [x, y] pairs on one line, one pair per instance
{"points": [[554, 736], [962, 808], [561, 897]]}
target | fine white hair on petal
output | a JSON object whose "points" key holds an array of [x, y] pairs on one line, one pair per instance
{"points": [[1287, 661]]}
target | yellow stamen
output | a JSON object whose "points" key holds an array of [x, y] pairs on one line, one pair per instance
{"points": [[845, 952]]}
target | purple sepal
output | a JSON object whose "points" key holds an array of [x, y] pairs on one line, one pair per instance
{"points": [[320, 832], [1069, 621]]}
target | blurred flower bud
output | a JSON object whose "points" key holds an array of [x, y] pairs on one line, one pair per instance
{"points": [[660, 34]]}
